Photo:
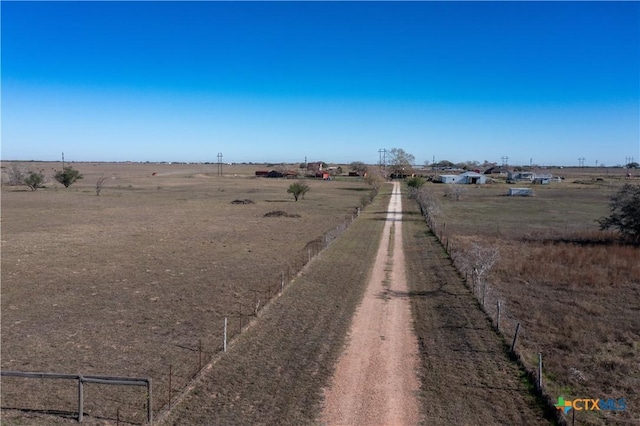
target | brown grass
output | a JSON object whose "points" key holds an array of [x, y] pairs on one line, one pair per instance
{"points": [[573, 289], [132, 282]]}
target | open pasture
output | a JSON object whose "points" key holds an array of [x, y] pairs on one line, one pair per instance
{"points": [[574, 290], [135, 281]]}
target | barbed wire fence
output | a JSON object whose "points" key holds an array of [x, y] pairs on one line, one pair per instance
{"points": [[488, 297]]}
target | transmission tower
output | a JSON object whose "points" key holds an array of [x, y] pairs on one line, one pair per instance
{"points": [[219, 164], [383, 158], [581, 162]]}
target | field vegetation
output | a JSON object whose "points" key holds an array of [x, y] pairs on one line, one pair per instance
{"points": [[574, 289], [137, 282]]}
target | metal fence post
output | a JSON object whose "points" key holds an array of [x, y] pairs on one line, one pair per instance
{"points": [[149, 402], [80, 399]]}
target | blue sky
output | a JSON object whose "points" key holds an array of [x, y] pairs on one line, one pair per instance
{"points": [[280, 81]]}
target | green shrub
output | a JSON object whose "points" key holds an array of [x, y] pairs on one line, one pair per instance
{"points": [[68, 176]]}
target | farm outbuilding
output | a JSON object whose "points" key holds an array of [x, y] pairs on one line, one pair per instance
{"points": [[473, 178], [513, 177], [448, 178], [464, 178], [522, 192]]}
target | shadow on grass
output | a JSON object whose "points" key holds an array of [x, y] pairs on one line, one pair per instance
{"points": [[355, 189], [73, 415]]}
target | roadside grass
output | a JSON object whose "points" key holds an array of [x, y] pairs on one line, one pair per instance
{"points": [[573, 289], [466, 374], [135, 281]]}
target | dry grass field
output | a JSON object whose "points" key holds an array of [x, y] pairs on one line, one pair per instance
{"points": [[574, 290], [134, 281]]}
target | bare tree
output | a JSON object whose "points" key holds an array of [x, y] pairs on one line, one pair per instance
{"points": [[456, 191], [374, 179], [359, 167], [401, 162], [479, 260], [100, 185], [16, 175], [428, 202]]}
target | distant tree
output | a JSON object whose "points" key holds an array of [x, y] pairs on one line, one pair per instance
{"points": [[374, 179], [456, 190], [335, 172], [445, 163], [67, 176], [416, 182], [298, 189], [468, 165], [625, 212], [632, 165], [478, 261], [488, 164], [358, 167], [400, 162], [34, 180], [428, 202], [16, 175], [100, 185]]}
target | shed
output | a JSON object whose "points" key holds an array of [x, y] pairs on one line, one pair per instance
{"points": [[472, 178], [522, 192], [520, 176], [448, 178]]}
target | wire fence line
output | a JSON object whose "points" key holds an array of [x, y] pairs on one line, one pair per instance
{"points": [[495, 307], [169, 380]]}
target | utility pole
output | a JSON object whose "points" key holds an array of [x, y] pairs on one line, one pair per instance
{"points": [[219, 164], [63, 161]]}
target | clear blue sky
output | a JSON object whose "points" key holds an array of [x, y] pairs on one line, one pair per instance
{"points": [[332, 81]]}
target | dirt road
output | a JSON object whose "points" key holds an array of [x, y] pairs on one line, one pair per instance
{"points": [[375, 381]]}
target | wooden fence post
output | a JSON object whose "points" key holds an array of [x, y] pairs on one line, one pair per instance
{"points": [[170, 374], [225, 335], [484, 292], [282, 282], [539, 370], [515, 336]]}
